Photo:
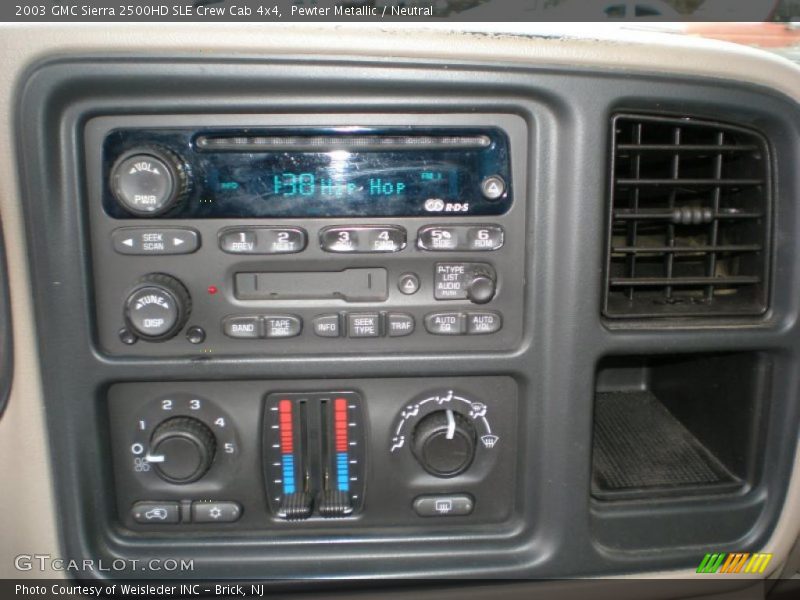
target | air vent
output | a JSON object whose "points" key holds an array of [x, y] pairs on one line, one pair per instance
{"points": [[690, 203]]}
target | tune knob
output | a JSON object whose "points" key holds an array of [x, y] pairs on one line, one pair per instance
{"points": [[157, 307], [149, 181], [444, 443], [182, 449]]}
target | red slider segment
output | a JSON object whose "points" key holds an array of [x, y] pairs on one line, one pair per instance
{"points": [[340, 424], [285, 422]]}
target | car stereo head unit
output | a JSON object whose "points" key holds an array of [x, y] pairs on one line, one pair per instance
{"points": [[329, 172]]}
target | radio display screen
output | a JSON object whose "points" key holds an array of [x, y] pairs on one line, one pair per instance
{"points": [[329, 173]]}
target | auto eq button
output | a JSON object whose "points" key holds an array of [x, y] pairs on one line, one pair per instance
{"points": [[445, 323]]}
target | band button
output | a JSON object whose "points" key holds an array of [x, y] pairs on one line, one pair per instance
{"points": [[244, 327]]}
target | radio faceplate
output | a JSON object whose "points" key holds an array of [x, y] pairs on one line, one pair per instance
{"points": [[188, 173], [169, 286]]}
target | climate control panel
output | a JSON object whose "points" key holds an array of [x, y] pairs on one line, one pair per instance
{"points": [[308, 454]]}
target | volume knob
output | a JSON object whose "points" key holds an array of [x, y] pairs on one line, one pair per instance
{"points": [[157, 307], [150, 181], [182, 449]]}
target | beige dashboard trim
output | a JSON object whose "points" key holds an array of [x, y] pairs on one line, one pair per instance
{"points": [[30, 525]]}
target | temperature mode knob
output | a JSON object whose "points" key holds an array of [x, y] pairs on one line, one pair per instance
{"points": [[157, 307], [182, 449], [149, 181], [444, 443]]}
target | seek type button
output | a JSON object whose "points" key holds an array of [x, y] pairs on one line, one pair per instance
{"points": [[483, 322], [364, 325], [282, 326], [445, 323]]}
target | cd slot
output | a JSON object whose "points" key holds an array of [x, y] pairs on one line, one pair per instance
{"points": [[319, 143], [350, 285]]}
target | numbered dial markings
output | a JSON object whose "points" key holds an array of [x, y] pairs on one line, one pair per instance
{"points": [[146, 460]]}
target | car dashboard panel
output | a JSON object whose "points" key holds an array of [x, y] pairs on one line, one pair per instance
{"points": [[436, 313]]}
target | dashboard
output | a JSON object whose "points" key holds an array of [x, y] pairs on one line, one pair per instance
{"points": [[503, 307]]}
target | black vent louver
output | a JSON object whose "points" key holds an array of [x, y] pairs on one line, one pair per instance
{"points": [[690, 219]]}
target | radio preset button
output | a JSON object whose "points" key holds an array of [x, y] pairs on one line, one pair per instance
{"points": [[445, 323], [383, 239], [244, 327], [364, 325], [461, 238], [493, 187], [438, 239], [484, 238], [399, 324], [159, 241], [282, 326], [366, 239], [238, 241], [483, 322], [263, 240], [327, 326]]}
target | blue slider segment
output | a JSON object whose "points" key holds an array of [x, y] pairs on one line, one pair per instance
{"points": [[342, 472], [288, 474]]}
